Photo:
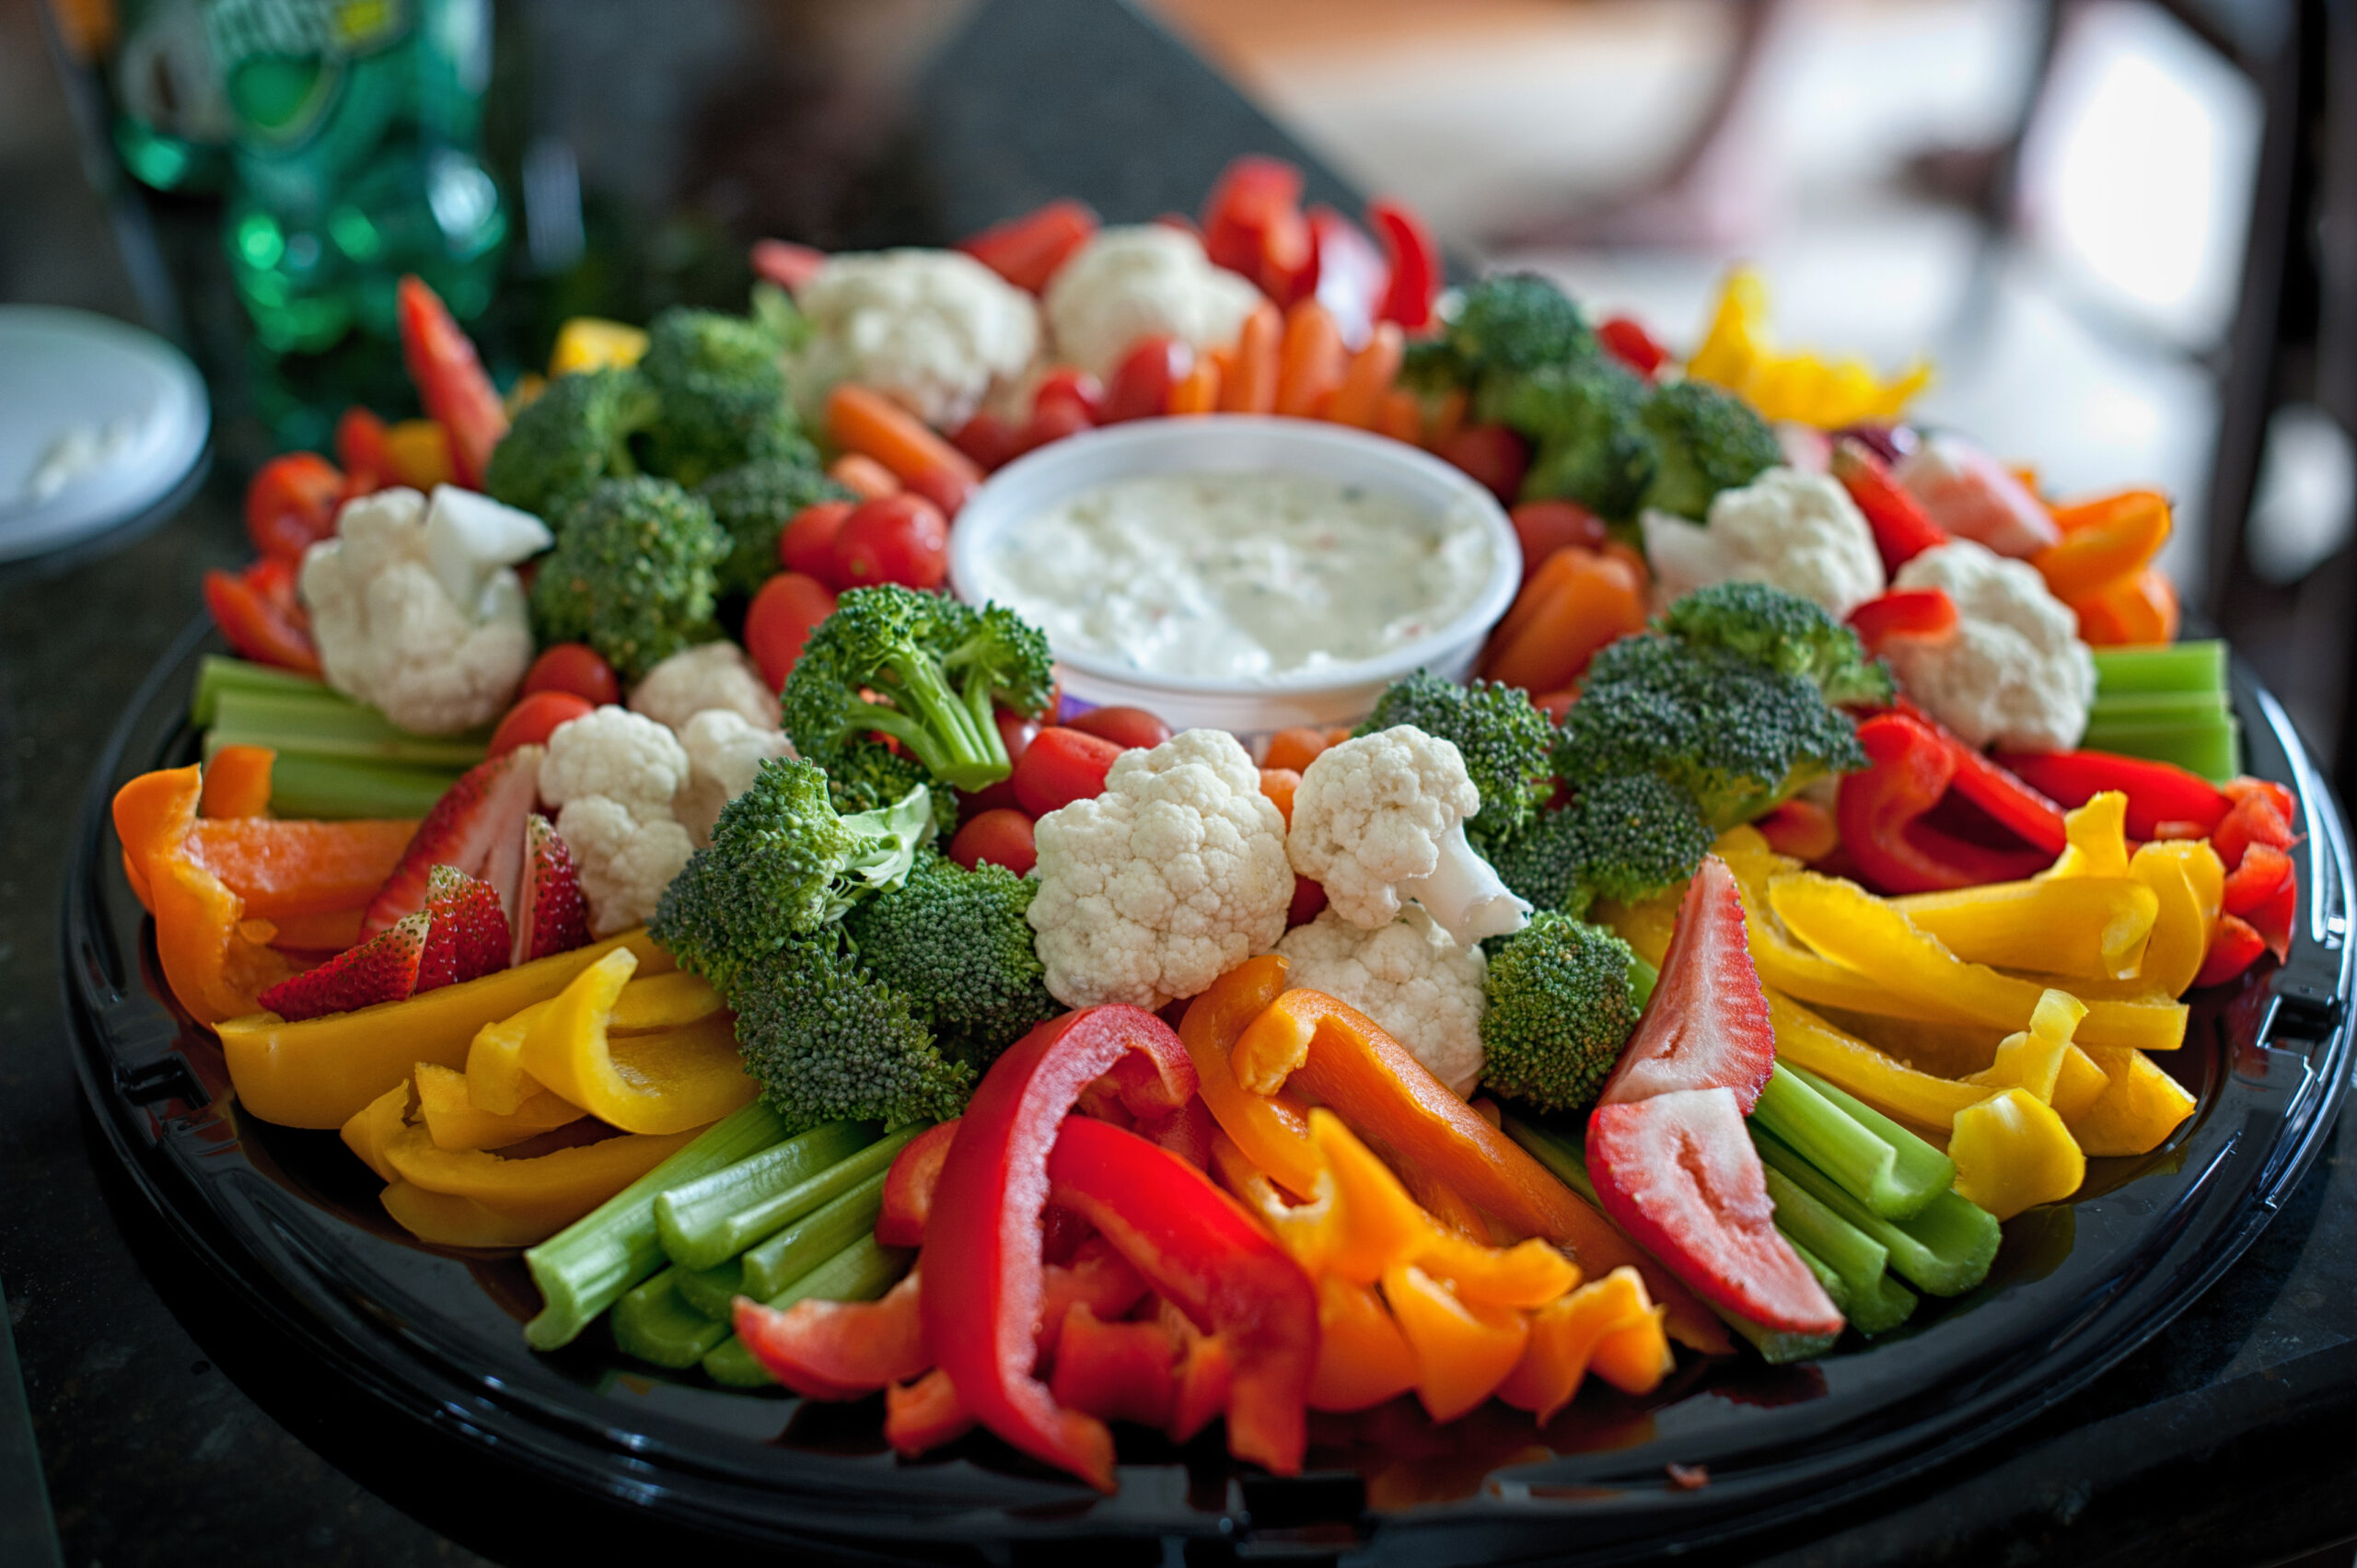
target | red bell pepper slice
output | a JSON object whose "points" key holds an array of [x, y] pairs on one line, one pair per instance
{"points": [[908, 1186], [1116, 1371], [361, 450], [258, 616], [1253, 225], [1903, 612], [787, 264], [1626, 339], [839, 1350], [2008, 800], [1801, 829], [1027, 251], [2263, 871], [291, 505], [1880, 812], [449, 379], [1206, 1257], [2278, 795], [2156, 792], [1416, 268], [2234, 948], [2273, 917], [985, 1256], [1902, 529], [1349, 275], [2255, 819], [1139, 386], [923, 1415]]}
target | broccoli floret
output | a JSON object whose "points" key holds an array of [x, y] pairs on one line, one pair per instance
{"points": [[1507, 744], [1708, 441], [1562, 1002], [829, 1040], [574, 434], [1508, 325], [936, 668], [1738, 735], [631, 574], [782, 862], [723, 395], [867, 773], [1785, 630], [956, 943], [1590, 444], [753, 502], [1625, 838], [1545, 864]]}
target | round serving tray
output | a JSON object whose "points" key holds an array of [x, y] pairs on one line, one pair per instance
{"points": [[290, 1223]]}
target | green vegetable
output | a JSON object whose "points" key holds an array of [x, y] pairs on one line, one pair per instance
{"points": [[861, 1272], [785, 1257], [722, 395], [955, 943], [218, 674], [1944, 1248], [652, 1323], [1854, 1261], [719, 1218], [938, 668], [828, 1040], [1873, 1158], [1507, 744], [782, 863], [1506, 326], [1562, 1002], [1706, 440], [576, 432], [584, 1268], [336, 787], [1589, 443], [633, 574], [1785, 633], [327, 725], [689, 1217], [2191, 669], [1625, 837], [865, 775], [752, 503], [712, 1293], [336, 758], [2170, 704]]}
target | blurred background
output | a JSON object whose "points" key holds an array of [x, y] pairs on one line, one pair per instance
{"points": [[2120, 228]]}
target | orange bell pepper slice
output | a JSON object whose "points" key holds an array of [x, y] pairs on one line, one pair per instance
{"points": [[2140, 610], [1363, 1358], [1463, 1350], [2103, 541], [1577, 602], [214, 958], [1334, 1055], [1273, 1132], [237, 782], [1565, 1336], [282, 868]]}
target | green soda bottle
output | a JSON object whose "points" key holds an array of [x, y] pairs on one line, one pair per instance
{"points": [[356, 129]]}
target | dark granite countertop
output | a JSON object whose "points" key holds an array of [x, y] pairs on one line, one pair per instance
{"points": [[170, 1435]]}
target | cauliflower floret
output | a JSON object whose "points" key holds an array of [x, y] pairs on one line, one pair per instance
{"points": [[613, 774], [415, 609], [614, 752], [1143, 281], [1380, 819], [1165, 882], [2014, 672], [931, 329], [1796, 531], [625, 863], [1409, 976], [710, 675], [724, 753]]}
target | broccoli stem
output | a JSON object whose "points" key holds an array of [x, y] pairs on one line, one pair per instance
{"points": [[1944, 1250], [812, 1239], [861, 1272], [1856, 1262], [934, 722], [1464, 896], [585, 1268], [653, 1324], [705, 1222], [1873, 1159]]}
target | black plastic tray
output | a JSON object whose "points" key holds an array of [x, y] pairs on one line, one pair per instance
{"points": [[290, 1222]]}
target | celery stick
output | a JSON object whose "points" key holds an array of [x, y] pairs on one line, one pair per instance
{"points": [[2211, 750], [335, 787], [1887, 1305], [1879, 1162], [652, 1323], [1643, 978], [2159, 709], [1836, 1288], [2180, 667], [330, 727], [582, 1268], [1829, 1242], [812, 1239], [218, 674], [710, 1221], [1945, 1249], [712, 1292], [1776, 1347], [861, 1272]]}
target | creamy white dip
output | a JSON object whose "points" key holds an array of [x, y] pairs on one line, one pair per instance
{"points": [[1237, 576]]}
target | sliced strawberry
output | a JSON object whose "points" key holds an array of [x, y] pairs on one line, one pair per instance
{"points": [[1677, 1172], [383, 968], [550, 915], [466, 935], [477, 826], [1707, 1024]]}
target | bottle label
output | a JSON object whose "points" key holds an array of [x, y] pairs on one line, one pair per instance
{"points": [[285, 61]]}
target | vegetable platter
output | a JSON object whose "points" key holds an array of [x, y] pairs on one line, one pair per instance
{"points": [[1729, 1059]]}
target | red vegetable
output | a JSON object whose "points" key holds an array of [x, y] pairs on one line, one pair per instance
{"points": [[1801, 829], [780, 620], [1139, 388], [1069, 386], [1027, 251], [1904, 612], [982, 1253], [2255, 818], [1116, 1371], [807, 544], [1625, 340], [449, 379], [1491, 454], [2234, 948], [1881, 809], [2262, 873], [1901, 528], [909, 1185], [1130, 729], [835, 1349], [258, 615], [577, 667], [897, 539], [1416, 268], [1546, 526], [291, 505], [1253, 225], [1350, 275], [2157, 791], [1707, 1026], [787, 264], [361, 451], [988, 439], [536, 717], [2009, 801], [1063, 765], [1001, 836]]}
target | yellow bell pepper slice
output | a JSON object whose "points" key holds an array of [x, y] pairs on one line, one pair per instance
{"points": [[496, 1082], [1783, 963], [2078, 1084], [1915, 975], [650, 1083], [2189, 882], [2032, 1060], [374, 1127], [2011, 1151], [592, 343], [2096, 839], [547, 1191], [1566, 1334], [454, 1121], [319, 1072], [1880, 1079], [2138, 1108], [1736, 354], [1363, 1358], [664, 1002], [1463, 1350], [447, 1221], [2092, 927]]}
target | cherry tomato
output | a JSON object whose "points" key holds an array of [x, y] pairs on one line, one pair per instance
{"points": [[986, 438], [897, 539], [1126, 728], [533, 720], [1491, 454], [1308, 900], [1053, 423], [575, 667], [291, 503], [1140, 385], [1545, 527], [1068, 386], [946, 490], [807, 543], [1061, 766], [1002, 837], [1016, 731], [779, 620]]}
